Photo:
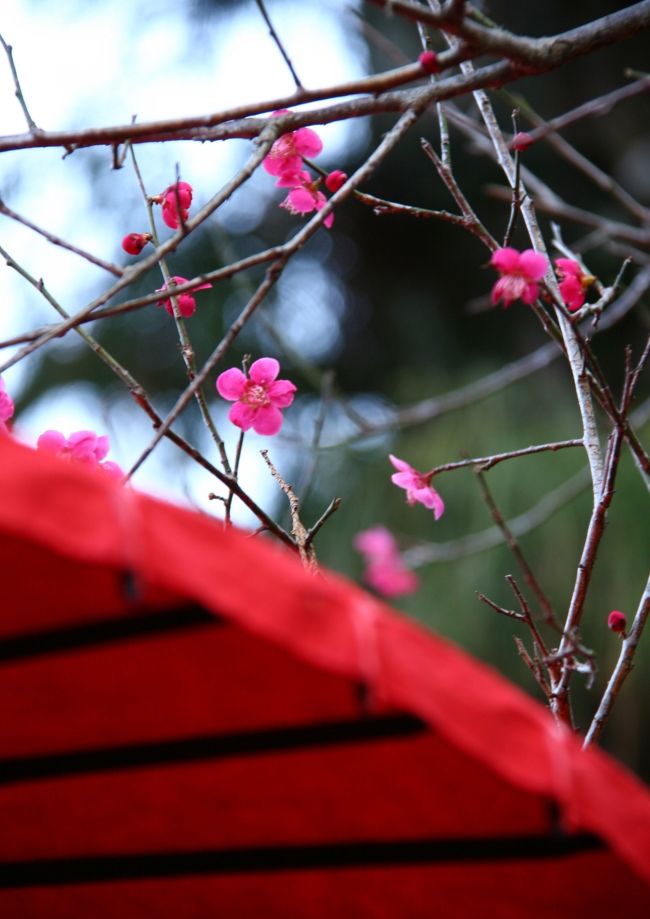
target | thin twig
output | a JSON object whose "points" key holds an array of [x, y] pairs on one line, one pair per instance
{"points": [[280, 46], [31, 124], [621, 670], [298, 530]]}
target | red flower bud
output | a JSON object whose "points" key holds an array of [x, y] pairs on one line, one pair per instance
{"points": [[616, 621], [429, 62], [335, 180], [521, 141], [134, 243]]}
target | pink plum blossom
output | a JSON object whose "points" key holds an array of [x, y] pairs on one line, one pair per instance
{"points": [[573, 282], [305, 198], [520, 273], [521, 141], [258, 397], [429, 62], [6, 408], [186, 302], [385, 571], [134, 243], [418, 486], [286, 155], [616, 621], [176, 200], [81, 447], [335, 180]]}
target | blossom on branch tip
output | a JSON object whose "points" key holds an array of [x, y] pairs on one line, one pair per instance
{"points": [[429, 62], [6, 408], [616, 621], [418, 486], [81, 447], [305, 198], [186, 302], [134, 243], [385, 571], [521, 141], [258, 397], [573, 283], [176, 200], [520, 273], [286, 155]]}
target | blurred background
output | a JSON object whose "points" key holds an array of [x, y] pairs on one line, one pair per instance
{"points": [[376, 315]]}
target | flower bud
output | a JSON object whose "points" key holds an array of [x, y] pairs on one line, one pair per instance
{"points": [[335, 180], [134, 243], [429, 62], [616, 621], [521, 141]]}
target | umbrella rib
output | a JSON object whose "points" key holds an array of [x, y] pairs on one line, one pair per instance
{"points": [[80, 635], [287, 858], [209, 746]]}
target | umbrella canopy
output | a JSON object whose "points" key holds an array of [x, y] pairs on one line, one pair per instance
{"points": [[193, 725]]}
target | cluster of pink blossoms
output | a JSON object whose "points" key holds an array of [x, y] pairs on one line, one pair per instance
{"points": [[285, 161], [175, 200], [81, 447], [6, 408], [385, 571], [258, 397], [521, 272]]}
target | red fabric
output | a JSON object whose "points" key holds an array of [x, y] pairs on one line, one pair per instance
{"points": [[289, 649]]}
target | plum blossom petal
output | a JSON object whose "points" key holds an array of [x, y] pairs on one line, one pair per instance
{"points": [[52, 441], [520, 273], [231, 384], [281, 393], [267, 420], [417, 486], [242, 415], [264, 371], [258, 398]]}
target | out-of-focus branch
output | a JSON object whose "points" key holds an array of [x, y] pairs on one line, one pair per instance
{"points": [[58, 241], [535, 54]]}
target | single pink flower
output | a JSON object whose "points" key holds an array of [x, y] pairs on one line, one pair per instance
{"points": [[335, 180], [306, 198], [6, 408], [385, 571], [258, 398], [81, 447], [286, 154], [573, 282], [616, 621], [417, 485], [186, 302], [134, 243], [429, 62], [176, 200], [520, 273]]}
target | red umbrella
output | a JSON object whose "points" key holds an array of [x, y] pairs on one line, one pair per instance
{"points": [[193, 726]]}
